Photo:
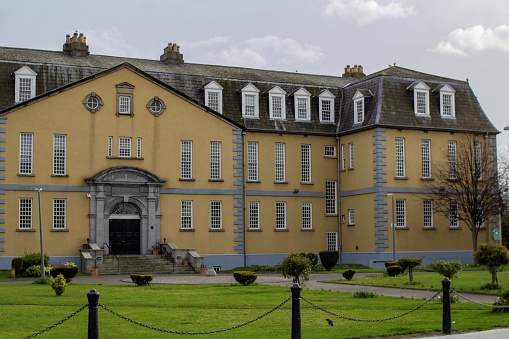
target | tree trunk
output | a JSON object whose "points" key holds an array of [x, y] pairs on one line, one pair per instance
{"points": [[410, 275], [494, 278]]}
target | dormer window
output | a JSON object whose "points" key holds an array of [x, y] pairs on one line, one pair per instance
{"points": [[421, 97], [447, 108], [359, 105], [302, 105], [250, 105], [214, 96], [326, 106], [24, 82], [277, 103]]}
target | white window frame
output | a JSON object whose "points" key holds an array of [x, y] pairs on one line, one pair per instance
{"points": [[351, 217], [358, 108], [280, 161], [25, 214], [26, 153], [326, 106], [215, 160], [332, 241], [447, 109], [454, 221], [254, 215], [248, 92], [400, 157], [252, 161], [186, 159], [452, 159], [280, 215], [420, 89], [277, 94], [139, 145], [305, 156], [428, 213], [110, 146], [343, 157], [216, 215], [186, 214], [21, 76], [124, 104], [59, 214], [124, 147], [350, 156], [214, 96], [401, 213], [59, 154], [426, 159], [331, 197], [329, 151], [302, 101], [307, 215]]}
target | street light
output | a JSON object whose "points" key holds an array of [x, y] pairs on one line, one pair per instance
{"points": [[393, 229]]}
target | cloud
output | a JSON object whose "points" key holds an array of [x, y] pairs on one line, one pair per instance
{"points": [[366, 11], [259, 52], [474, 39], [108, 42]]}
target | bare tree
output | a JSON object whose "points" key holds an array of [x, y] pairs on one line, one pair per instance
{"points": [[466, 186]]}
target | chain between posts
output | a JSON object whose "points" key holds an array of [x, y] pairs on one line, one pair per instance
{"points": [[194, 333], [479, 303], [370, 320], [58, 323]]}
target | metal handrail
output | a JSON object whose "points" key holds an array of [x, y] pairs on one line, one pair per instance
{"points": [[111, 251], [169, 256]]}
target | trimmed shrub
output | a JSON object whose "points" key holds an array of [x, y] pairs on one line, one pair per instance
{"points": [[34, 259], [364, 294], [410, 263], [17, 265], [503, 300], [245, 277], [348, 274], [313, 257], [491, 256], [35, 271], [141, 279], [295, 266], [448, 269], [490, 286], [58, 284], [390, 263], [329, 259], [394, 270], [68, 269], [41, 281]]}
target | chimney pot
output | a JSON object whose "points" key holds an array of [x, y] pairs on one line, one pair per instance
{"points": [[76, 46], [172, 55]]}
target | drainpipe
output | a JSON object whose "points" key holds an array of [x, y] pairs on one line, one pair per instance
{"points": [[338, 194], [244, 235]]}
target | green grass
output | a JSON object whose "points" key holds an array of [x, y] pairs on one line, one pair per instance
{"points": [[469, 281], [26, 309]]}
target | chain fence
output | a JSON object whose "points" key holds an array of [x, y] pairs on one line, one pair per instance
{"points": [[195, 333], [58, 323], [492, 306]]}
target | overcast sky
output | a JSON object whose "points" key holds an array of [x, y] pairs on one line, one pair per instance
{"points": [[458, 39]]}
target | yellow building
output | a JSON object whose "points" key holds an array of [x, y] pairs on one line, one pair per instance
{"points": [[242, 165]]}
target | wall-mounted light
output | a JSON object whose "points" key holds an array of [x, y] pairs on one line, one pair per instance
{"points": [[88, 195], [295, 191]]}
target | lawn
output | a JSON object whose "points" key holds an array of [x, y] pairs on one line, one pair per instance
{"points": [[26, 309], [468, 281]]}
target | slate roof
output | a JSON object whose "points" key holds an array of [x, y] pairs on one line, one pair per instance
{"points": [[392, 104], [58, 70]]}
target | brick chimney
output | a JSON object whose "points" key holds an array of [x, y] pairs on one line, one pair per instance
{"points": [[357, 71], [172, 55], [76, 46]]}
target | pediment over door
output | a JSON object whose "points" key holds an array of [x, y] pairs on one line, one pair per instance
{"points": [[125, 175]]}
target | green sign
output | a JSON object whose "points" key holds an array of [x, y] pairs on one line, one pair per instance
{"points": [[496, 234]]}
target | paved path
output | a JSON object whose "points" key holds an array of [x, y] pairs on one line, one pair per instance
{"points": [[315, 282]]}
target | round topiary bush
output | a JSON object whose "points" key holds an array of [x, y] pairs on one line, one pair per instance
{"points": [[329, 259], [348, 274], [141, 279], [245, 277], [394, 270]]}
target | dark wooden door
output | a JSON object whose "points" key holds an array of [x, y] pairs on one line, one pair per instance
{"points": [[125, 236]]}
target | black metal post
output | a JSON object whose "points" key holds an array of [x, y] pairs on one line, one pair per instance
{"points": [[296, 323], [93, 318], [446, 306]]}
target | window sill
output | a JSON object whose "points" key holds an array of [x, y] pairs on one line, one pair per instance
{"points": [[400, 178], [280, 182], [254, 230], [350, 225], [125, 158], [329, 157], [427, 179], [306, 183], [216, 230], [331, 215], [307, 230], [280, 230], [118, 114], [343, 170], [60, 175], [25, 175], [25, 230], [253, 181], [216, 180], [403, 228], [58, 231], [186, 230], [184, 179], [350, 168]]}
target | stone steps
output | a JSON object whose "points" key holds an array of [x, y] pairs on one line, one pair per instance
{"points": [[141, 264]]}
